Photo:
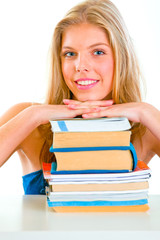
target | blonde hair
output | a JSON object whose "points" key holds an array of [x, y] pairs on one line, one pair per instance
{"points": [[126, 79]]}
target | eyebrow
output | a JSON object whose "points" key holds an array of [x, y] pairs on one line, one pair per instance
{"points": [[97, 44], [91, 46]]}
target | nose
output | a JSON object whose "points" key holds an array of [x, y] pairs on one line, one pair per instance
{"points": [[82, 64]]}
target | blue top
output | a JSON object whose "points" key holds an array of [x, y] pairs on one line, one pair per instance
{"points": [[34, 183]]}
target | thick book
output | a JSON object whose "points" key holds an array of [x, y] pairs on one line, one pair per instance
{"points": [[93, 144], [90, 125], [91, 139], [87, 186], [115, 158]]}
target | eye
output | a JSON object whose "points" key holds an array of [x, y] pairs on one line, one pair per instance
{"points": [[99, 52], [69, 54]]}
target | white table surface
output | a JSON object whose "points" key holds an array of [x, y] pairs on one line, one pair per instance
{"points": [[29, 217]]}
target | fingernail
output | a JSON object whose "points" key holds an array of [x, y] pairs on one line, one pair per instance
{"points": [[66, 100], [109, 102], [72, 106], [85, 115], [97, 109]]}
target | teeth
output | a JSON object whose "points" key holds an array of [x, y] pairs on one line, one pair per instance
{"points": [[86, 82]]}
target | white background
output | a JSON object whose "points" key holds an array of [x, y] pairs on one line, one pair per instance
{"points": [[26, 28]]}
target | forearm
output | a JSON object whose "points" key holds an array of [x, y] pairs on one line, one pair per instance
{"points": [[15, 131], [150, 117]]}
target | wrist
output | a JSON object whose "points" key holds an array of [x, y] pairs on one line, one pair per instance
{"points": [[36, 113], [147, 112]]}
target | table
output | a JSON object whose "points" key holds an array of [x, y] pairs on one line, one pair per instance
{"points": [[28, 217]]}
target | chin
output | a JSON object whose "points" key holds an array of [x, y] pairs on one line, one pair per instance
{"points": [[93, 96], [90, 98], [84, 99]]}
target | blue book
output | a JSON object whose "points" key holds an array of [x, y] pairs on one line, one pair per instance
{"points": [[83, 149], [97, 203]]}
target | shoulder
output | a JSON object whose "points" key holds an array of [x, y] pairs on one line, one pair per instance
{"points": [[147, 146], [14, 110]]}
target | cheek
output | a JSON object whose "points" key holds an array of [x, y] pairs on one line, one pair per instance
{"points": [[108, 68], [66, 71], [107, 71]]}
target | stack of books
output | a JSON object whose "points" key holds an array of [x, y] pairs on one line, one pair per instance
{"points": [[96, 169]]}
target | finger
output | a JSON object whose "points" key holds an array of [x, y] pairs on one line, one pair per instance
{"points": [[70, 101], [87, 110], [88, 103], [98, 103], [102, 113], [74, 113], [79, 106]]}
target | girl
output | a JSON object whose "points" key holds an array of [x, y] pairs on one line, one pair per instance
{"points": [[94, 73]]}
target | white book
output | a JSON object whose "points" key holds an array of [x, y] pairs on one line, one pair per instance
{"points": [[99, 195], [99, 179], [54, 182], [143, 174], [90, 125]]}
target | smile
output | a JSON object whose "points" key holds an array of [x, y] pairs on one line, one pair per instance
{"points": [[86, 83]]}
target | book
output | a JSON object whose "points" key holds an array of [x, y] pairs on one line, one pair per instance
{"points": [[86, 197], [142, 171], [93, 144], [87, 186], [111, 160], [90, 125], [76, 209], [113, 200], [95, 158], [91, 139], [97, 203]]}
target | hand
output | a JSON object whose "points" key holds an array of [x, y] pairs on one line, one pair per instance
{"points": [[132, 111], [45, 112], [92, 105], [141, 112]]}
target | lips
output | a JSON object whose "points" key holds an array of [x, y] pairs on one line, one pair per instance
{"points": [[86, 83]]}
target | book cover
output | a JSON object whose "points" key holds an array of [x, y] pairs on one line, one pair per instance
{"points": [[94, 160], [97, 203], [122, 158], [90, 125]]}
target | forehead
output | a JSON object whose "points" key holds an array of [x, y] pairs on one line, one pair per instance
{"points": [[83, 34]]}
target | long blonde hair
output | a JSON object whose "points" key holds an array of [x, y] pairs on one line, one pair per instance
{"points": [[126, 79]]}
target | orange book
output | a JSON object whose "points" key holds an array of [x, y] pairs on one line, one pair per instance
{"points": [[91, 139], [135, 208], [110, 160]]}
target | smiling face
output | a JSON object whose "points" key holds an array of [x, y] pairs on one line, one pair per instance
{"points": [[87, 62]]}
